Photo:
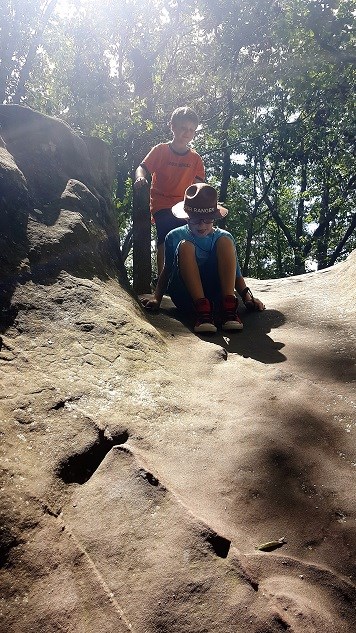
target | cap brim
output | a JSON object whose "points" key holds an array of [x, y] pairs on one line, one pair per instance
{"points": [[179, 212]]}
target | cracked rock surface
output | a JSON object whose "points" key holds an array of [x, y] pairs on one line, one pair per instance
{"points": [[143, 466], [152, 480]]}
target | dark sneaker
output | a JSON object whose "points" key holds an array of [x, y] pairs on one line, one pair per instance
{"points": [[230, 318], [204, 317]]}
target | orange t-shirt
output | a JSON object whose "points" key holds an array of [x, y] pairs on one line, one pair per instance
{"points": [[171, 173]]}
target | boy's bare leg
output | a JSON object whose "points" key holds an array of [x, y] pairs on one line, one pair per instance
{"points": [[160, 258], [189, 270], [227, 273], [226, 265]]}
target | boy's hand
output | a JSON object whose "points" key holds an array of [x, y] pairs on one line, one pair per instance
{"points": [[140, 182], [255, 304], [150, 303]]}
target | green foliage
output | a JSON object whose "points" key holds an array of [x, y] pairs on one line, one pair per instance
{"points": [[273, 83]]}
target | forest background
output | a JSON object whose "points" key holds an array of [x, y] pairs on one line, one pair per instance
{"points": [[273, 84]]}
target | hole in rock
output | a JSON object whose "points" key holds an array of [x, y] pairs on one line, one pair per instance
{"points": [[7, 317], [80, 467], [284, 626], [7, 542], [85, 327], [63, 403], [148, 476], [59, 405], [220, 545]]}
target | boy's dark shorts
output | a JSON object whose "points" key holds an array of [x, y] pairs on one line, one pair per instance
{"points": [[165, 221]]}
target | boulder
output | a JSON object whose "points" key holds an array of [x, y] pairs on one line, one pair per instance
{"points": [[56, 208]]}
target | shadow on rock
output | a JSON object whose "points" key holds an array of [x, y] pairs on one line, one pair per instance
{"points": [[252, 342], [293, 491]]}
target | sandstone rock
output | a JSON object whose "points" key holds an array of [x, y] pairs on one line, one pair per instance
{"points": [[46, 151], [55, 203], [14, 200], [141, 465]]}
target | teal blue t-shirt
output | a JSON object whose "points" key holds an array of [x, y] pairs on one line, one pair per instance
{"points": [[203, 245]]}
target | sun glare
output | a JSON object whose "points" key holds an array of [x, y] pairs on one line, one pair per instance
{"points": [[67, 8]]}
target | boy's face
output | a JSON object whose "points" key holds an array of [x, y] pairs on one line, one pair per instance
{"points": [[183, 131], [201, 227]]}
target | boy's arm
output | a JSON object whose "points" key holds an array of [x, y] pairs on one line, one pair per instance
{"points": [[141, 175], [245, 293], [154, 301], [199, 170]]}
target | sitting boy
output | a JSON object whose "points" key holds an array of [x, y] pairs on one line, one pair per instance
{"points": [[174, 166], [201, 268]]}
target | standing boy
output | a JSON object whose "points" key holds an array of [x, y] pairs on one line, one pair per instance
{"points": [[201, 271], [173, 166]]}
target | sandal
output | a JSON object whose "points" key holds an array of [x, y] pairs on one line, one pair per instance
{"points": [[250, 304]]}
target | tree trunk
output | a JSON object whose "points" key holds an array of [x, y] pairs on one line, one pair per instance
{"points": [[6, 53], [141, 242], [249, 235], [34, 44], [279, 266], [127, 244], [322, 243], [226, 166], [301, 202], [343, 241]]}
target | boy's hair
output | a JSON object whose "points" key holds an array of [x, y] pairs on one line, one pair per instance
{"points": [[186, 113]]}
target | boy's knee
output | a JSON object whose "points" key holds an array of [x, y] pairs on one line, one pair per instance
{"points": [[224, 243], [186, 247]]}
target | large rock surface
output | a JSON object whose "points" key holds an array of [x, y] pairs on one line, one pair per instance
{"points": [[55, 202], [142, 465]]}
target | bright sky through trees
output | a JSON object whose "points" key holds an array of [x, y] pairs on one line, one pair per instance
{"points": [[272, 82]]}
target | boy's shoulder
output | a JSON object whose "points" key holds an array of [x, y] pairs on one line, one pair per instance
{"points": [[167, 147], [159, 148], [197, 156], [177, 233], [222, 232], [179, 229]]}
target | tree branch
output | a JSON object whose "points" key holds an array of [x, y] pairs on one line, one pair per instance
{"points": [[343, 241]]}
